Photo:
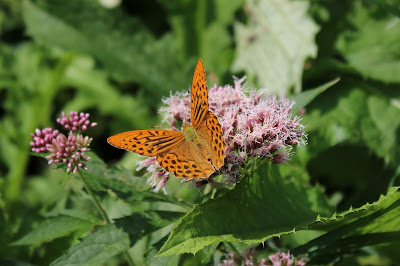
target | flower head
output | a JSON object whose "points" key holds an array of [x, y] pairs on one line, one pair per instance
{"points": [[41, 138], [76, 122], [68, 150], [252, 126], [250, 258]]}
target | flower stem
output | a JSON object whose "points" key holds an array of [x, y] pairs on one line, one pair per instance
{"points": [[94, 199], [101, 211], [232, 247]]}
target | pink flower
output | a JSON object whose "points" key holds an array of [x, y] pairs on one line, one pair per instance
{"points": [[285, 259], [41, 138], [252, 126], [277, 259], [76, 122], [68, 150]]}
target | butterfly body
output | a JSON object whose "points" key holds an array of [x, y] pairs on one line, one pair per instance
{"points": [[190, 134], [195, 153]]}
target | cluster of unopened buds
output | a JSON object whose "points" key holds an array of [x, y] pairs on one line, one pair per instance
{"points": [[250, 258], [253, 126], [70, 149]]}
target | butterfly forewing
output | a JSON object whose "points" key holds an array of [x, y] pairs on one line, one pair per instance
{"points": [[150, 142], [199, 96]]}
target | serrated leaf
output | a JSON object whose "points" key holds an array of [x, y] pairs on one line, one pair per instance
{"points": [[371, 44], [305, 97], [55, 227], [90, 28], [372, 224], [275, 43], [94, 249], [271, 207]]}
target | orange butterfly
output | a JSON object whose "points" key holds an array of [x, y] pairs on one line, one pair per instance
{"points": [[192, 154]]}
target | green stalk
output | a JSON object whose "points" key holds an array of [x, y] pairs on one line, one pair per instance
{"points": [[94, 199], [101, 211]]}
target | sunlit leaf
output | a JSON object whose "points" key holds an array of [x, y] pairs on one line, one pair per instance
{"points": [[271, 206], [275, 43]]}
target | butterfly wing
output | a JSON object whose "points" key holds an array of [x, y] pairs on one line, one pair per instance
{"points": [[150, 142], [211, 137], [173, 152], [199, 96], [185, 161]]}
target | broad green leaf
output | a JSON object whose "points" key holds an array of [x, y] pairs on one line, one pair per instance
{"points": [[358, 113], [371, 44], [305, 97], [372, 224], [96, 248], [275, 43], [58, 226], [139, 225], [121, 42], [271, 207]]}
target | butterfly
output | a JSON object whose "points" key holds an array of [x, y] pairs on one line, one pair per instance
{"points": [[195, 153]]}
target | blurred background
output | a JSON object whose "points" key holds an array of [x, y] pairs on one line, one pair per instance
{"points": [[116, 59]]}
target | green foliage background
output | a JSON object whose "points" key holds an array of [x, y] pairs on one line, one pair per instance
{"points": [[337, 200]]}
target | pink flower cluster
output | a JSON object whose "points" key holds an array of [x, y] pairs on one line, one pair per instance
{"points": [[76, 122], [253, 126], [42, 138], [250, 258], [69, 150]]}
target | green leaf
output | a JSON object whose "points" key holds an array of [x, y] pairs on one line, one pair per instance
{"points": [[275, 43], [127, 187], [271, 207], [107, 242], [113, 239], [371, 224], [358, 113], [121, 42], [371, 44], [305, 97], [55, 227], [139, 225]]}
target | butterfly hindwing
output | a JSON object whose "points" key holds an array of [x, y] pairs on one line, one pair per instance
{"points": [[149, 142], [199, 96], [211, 136], [185, 161]]}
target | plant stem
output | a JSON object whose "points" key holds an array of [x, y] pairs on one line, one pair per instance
{"points": [[94, 199], [101, 211], [234, 250]]}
